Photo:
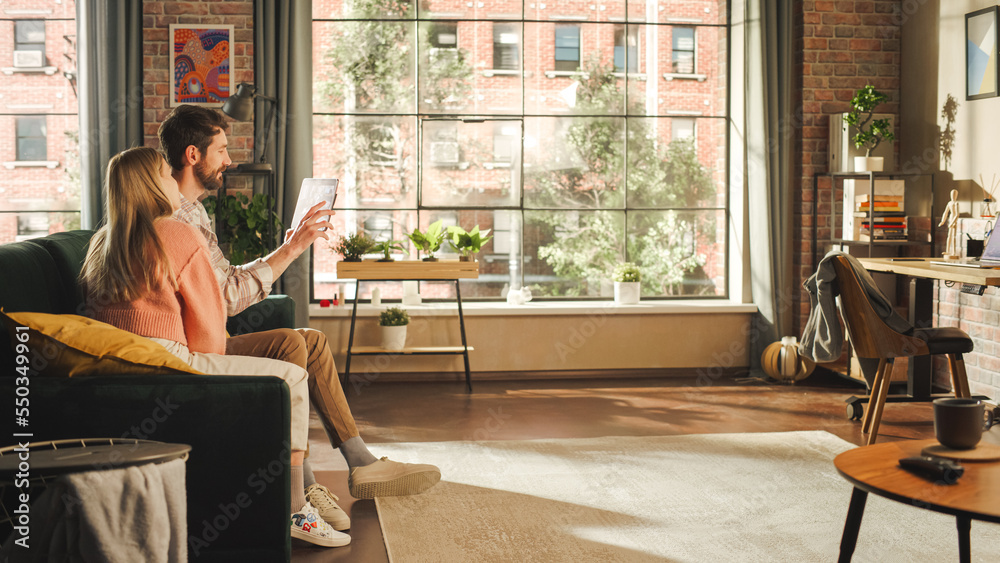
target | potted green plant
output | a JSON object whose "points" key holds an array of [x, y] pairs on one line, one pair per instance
{"points": [[393, 322], [353, 246], [386, 248], [244, 225], [468, 243], [626, 277], [429, 241], [871, 131]]}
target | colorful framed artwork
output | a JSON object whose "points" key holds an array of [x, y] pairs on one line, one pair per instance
{"points": [[981, 54], [201, 62]]}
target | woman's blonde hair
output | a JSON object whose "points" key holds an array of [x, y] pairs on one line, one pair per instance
{"points": [[126, 258]]}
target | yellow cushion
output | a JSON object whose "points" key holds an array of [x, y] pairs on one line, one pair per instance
{"points": [[71, 345]]}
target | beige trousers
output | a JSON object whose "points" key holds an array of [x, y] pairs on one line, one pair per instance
{"points": [[308, 349], [294, 376]]}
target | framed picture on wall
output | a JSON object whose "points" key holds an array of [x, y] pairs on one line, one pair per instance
{"points": [[201, 60], [981, 54]]}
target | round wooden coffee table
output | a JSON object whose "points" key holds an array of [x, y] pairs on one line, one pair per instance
{"points": [[875, 469]]}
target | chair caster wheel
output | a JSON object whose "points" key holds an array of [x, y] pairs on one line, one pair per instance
{"points": [[854, 411]]}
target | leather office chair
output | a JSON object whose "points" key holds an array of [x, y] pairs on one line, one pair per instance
{"points": [[873, 338]]}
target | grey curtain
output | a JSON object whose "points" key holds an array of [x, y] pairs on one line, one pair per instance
{"points": [[770, 127], [109, 61], [283, 70]]}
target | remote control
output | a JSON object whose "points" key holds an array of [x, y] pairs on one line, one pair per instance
{"points": [[933, 468]]}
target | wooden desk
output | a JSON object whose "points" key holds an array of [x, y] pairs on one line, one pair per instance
{"points": [[875, 469], [923, 274]]}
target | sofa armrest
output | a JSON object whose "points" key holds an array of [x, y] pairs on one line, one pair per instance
{"points": [[276, 311], [238, 429]]}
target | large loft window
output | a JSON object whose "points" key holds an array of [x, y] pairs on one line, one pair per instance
{"points": [[547, 131]]}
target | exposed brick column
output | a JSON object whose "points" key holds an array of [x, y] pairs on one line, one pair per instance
{"points": [[156, 20], [843, 45]]}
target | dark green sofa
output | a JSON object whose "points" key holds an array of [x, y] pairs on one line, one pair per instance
{"points": [[237, 426]]}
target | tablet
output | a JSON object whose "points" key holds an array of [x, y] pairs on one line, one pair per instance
{"points": [[313, 191]]}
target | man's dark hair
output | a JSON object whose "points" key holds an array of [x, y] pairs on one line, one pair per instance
{"points": [[185, 126]]}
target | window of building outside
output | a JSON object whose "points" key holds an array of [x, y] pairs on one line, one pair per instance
{"points": [[29, 35], [31, 139], [626, 48], [683, 56], [506, 46], [39, 162], [567, 45], [575, 162]]}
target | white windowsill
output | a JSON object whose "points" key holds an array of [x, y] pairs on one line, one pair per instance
{"points": [[10, 165], [686, 76], [8, 70], [493, 308], [566, 73]]}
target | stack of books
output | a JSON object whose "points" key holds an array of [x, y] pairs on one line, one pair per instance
{"points": [[881, 219]]}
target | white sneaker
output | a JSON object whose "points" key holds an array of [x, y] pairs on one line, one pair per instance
{"points": [[308, 525], [325, 503]]}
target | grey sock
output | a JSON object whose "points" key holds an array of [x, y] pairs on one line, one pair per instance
{"points": [[308, 478], [356, 453], [298, 491]]}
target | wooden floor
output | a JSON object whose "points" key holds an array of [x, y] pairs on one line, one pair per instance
{"points": [[520, 410]]}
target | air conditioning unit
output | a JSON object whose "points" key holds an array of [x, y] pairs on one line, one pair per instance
{"points": [[29, 59], [444, 152]]}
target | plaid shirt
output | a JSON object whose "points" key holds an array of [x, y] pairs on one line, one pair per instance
{"points": [[242, 286]]}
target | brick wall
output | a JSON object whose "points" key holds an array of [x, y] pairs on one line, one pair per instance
{"points": [[845, 44], [156, 20]]}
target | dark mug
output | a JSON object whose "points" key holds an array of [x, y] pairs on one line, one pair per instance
{"points": [[959, 423]]}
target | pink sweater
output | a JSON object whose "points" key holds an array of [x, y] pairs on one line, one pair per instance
{"points": [[194, 315]]}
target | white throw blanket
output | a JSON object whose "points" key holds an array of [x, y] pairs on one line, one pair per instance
{"points": [[119, 515]]}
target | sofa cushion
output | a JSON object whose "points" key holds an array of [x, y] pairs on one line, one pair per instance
{"points": [[29, 279], [71, 345], [68, 250]]}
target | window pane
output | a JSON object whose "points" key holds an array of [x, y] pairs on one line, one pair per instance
{"points": [[572, 253], [683, 53], [574, 162], [31, 139], [374, 157], [550, 91], [567, 47], [31, 127], [461, 168], [680, 253], [364, 66], [506, 46], [626, 48], [446, 71], [686, 172], [28, 32], [362, 9]]}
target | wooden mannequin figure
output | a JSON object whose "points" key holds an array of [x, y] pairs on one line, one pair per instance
{"points": [[950, 216]]}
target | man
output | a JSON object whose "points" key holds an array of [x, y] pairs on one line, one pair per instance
{"points": [[194, 141]]}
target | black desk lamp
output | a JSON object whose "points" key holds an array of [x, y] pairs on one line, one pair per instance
{"points": [[240, 107]]}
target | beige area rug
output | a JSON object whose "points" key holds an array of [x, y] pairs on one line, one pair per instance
{"points": [[708, 497]]}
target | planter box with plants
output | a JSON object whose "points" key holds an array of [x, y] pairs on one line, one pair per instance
{"points": [[627, 283]]}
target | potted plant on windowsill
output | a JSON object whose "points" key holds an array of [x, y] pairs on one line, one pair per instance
{"points": [[468, 243], [353, 246], [871, 131], [393, 322], [386, 248], [627, 286], [429, 241]]}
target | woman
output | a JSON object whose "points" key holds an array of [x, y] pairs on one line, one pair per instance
{"points": [[150, 274]]}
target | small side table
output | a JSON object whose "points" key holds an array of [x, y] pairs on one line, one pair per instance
{"points": [[409, 270], [875, 469]]}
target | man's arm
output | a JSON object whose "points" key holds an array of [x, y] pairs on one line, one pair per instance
{"points": [[299, 238]]}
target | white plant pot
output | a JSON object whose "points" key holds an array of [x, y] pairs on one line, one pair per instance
{"points": [[394, 337], [626, 293], [868, 163]]}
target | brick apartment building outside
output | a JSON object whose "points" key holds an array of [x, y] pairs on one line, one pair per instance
{"points": [[39, 162]]}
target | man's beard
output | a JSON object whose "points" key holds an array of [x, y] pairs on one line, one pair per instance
{"points": [[209, 179]]}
